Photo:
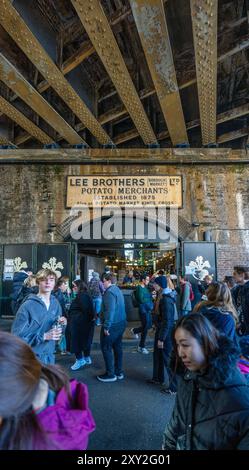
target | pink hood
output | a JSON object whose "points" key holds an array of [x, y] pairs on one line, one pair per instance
{"points": [[67, 426]]}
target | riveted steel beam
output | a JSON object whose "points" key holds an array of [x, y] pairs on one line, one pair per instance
{"points": [[15, 115], [151, 24], [99, 31], [204, 22], [14, 80], [21, 34]]}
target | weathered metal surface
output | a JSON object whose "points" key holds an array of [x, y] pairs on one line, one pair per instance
{"points": [[5, 141], [24, 122], [127, 156], [222, 117], [229, 136], [99, 31], [243, 44], [151, 23], [204, 21], [14, 80], [21, 34]]}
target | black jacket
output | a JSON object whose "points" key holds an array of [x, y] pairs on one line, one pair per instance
{"points": [[240, 294], [18, 280], [212, 409], [165, 319], [81, 324]]}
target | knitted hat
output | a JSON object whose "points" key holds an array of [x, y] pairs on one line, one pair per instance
{"points": [[161, 281]]}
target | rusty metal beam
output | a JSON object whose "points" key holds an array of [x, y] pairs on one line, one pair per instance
{"points": [[14, 80], [114, 114], [99, 31], [21, 34], [151, 24], [227, 137], [204, 22], [15, 115], [222, 117], [121, 156], [239, 47], [71, 63], [243, 44]]}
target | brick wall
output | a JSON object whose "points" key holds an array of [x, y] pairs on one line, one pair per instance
{"points": [[215, 196], [229, 256]]}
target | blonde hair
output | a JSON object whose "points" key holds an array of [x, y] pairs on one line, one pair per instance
{"points": [[28, 281], [219, 295], [44, 273]]}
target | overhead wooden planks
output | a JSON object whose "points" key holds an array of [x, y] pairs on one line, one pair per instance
{"points": [[151, 24], [99, 31], [21, 34], [18, 117], [204, 21], [14, 80]]}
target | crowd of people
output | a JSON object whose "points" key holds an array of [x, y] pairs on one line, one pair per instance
{"points": [[201, 355]]}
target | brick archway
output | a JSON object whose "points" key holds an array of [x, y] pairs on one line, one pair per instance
{"points": [[63, 230]]}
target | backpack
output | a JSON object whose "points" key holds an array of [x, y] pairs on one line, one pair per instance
{"points": [[134, 299], [191, 293]]}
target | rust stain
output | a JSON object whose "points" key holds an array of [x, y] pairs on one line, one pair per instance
{"points": [[14, 114], [204, 21], [21, 34], [100, 33], [152, 27]]}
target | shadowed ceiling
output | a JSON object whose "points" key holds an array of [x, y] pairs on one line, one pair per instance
{"points": [[129, 73]]}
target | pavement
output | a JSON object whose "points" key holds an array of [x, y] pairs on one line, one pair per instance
{"points": [[129, 413]]}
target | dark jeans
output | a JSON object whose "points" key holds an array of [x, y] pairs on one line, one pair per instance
{"points": [[110, 343], [161, 358], [145, 317]]}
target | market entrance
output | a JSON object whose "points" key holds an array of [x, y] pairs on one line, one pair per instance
{"points": [[126, 257], [124, 244]]}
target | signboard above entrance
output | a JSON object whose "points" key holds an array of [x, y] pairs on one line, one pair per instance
{"points": [[116, 190]]}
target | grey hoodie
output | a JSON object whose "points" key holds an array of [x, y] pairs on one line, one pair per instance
{"points": [[32, 321], [113, 306]]}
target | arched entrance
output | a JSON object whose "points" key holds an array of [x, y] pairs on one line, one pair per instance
{"points": [[143, 238]]}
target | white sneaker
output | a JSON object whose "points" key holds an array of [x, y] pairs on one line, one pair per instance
{"points": [[78, 364], [143, 350], [134, 334]]}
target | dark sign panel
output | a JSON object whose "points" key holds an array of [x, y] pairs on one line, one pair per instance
{"points": [[55, 257], [15, 258], [199, 260]]}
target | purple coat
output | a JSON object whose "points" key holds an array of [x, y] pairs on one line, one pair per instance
{"points": [[67, 427]]}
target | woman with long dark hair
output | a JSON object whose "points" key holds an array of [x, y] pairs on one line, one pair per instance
{"points": [[212, 405], [81, 319], [39, 407], [219, 309]]}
